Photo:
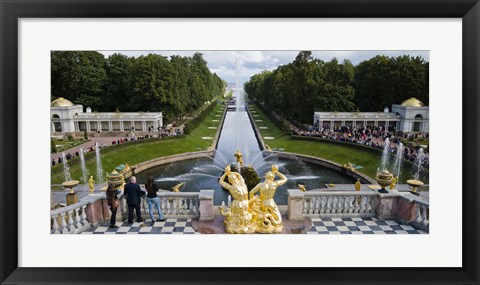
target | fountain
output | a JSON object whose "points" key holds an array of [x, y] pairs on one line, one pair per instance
{"points": [[385, 154], [414, 183], [84, 169], [99, 164], [397, 166], [237, 133], [66, 169]]}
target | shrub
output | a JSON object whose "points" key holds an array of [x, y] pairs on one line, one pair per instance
{"points": [[70, 137], [53, 147]]}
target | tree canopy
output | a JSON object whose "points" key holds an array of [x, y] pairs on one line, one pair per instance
{"points": [[297, 89], [175, 86]]}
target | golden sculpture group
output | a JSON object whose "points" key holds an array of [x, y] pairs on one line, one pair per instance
{"points": [[250, 213]]}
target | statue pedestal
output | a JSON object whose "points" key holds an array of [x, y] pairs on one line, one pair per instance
{"points": [[72, 198]]}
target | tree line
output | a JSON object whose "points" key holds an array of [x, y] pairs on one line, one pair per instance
{"points": [[175, 86], [298, 89]]}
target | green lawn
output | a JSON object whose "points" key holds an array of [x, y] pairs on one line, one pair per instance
{"points": [[340, 153], [135, 153]]}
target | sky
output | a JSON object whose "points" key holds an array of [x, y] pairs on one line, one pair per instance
{"points": [[252, 62]]}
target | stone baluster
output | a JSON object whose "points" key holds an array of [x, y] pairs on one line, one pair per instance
{"points": [[335, 205], [305, 206], [329, 205], [363, 205], [369, 208], [167, 201], [317, 205], [425, 219], [83, 217], [54, 229], [77, 223], [125, 207], [195, 207], [323, 203], [311, 205], [349, 206], [63, 229], [71, 227]]}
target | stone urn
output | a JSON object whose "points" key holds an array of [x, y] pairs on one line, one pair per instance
{"points": [[414, 184], [384, 179], [71, 197]]}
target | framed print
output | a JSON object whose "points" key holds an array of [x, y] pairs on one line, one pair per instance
{"points": [[222, 142]]}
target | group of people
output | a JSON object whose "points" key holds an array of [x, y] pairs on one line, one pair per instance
{"points": [[372, 136], [162, 132], [133, 194]]}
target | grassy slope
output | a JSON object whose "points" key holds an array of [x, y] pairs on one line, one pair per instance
{"points": [[136, 153]]}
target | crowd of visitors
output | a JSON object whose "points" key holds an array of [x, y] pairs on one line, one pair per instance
{"points": [[372, 136], [161, 133]]}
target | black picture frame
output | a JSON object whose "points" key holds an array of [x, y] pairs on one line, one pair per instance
{"points": [[11, 11]]}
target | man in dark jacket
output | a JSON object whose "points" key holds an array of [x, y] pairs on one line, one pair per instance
{"points": [[133, 194]]}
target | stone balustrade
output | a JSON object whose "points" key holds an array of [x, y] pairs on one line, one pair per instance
{"points": [[69, 220], [93, 209], [173, 205], [403, 207]]}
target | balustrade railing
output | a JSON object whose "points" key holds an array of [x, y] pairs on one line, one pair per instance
{"points": [[69, 220], [339, 204], [173, 205]]}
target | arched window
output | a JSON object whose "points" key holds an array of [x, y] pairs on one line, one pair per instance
{"points": [[417, 125], [55, 116]]}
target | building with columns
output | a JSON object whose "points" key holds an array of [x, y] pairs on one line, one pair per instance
{"points": [[68, 118], [410, 117]]}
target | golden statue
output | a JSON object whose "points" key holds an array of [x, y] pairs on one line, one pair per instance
{"points": [[394, 181], [238, 155], [176, 188], [349, 166], [358, 185], [90, 184], [267, 215], [238, 217], [302, 187]]}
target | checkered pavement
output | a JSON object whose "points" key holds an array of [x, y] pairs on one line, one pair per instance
{"points": [[362, 226], [320, 226], [169, 226]]}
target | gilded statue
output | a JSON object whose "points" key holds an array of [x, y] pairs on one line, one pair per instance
{"points": [[267, 215], [176, 188], [90, 184], [394, 181], [302, 187], [238, 155], [238, 217]]}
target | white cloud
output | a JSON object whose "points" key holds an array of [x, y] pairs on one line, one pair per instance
{"points": [[223, 63]]}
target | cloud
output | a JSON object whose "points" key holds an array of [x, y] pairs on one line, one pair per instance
{"points": [[223, 63]]}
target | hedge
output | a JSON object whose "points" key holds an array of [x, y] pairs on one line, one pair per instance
{"points": [[194, 122]]}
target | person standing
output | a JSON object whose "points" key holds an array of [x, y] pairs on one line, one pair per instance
{"points": [[133, 194], [112, 201], [152, 190]]}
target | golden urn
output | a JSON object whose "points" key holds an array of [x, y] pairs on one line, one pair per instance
{"points": [[115, 178], [384, 179]]}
